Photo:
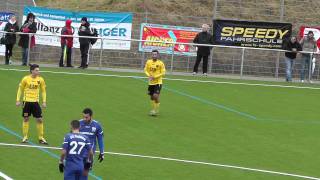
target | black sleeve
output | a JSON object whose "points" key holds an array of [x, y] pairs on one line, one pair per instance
{"points": [[299, 47], [86, 32], [16, 28], [6, 27], [285, 45], [211, 39], [33, 27]]}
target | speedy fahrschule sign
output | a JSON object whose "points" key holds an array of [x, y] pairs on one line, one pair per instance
{"points": [[251, 34], [171, 34], [116, 26]]}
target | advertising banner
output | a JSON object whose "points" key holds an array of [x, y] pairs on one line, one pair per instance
{"points": [[251, 34], [165, 33], [111, 25]]}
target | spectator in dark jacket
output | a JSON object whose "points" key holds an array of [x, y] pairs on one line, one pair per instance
{"points": [[293, 46], [203, 52], [84, 30], [29, 26], [10, 38], [66, 44]]}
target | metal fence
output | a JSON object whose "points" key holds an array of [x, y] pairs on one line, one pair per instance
{"points": [[223, 60], [249, 63]]}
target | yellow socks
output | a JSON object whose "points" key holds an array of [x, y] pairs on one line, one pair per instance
{"points": [[157, 106], [40, 130], [25, 129], [153, 105]]}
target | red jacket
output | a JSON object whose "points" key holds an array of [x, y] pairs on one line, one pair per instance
{"points": [[67, 30]]}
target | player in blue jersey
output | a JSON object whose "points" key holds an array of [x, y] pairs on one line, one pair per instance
{"points": [[93, 130], [75, 148]]}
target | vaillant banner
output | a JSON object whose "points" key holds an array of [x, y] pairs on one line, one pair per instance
{"points": [[110, 25]]}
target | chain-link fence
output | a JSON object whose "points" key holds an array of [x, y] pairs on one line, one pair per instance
{"points": [[222, 61]]}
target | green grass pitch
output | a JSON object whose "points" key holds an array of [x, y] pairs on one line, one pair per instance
{"points": [[270, 128]]}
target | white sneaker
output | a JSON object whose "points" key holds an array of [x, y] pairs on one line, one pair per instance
{"points": [[10, 62], [302, 81], [205, 74], [152, 113], [194, 73]]}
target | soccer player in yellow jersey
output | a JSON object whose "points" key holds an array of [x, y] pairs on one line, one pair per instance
{"points": [[30, 87], [155, 70]]}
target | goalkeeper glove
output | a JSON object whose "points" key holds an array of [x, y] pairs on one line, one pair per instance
{"points": [[61, 167], [101, 157]]}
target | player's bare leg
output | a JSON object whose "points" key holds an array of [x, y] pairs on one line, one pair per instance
{"points": [[156, 98], [153, 105], [156, 103], [25, 129], [40, 131]]}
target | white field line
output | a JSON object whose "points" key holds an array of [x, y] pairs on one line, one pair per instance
{"points": [[179, 160], [5, 176], [174, 79]]}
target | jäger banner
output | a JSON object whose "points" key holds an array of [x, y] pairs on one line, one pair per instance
{"points": [[165, 33], [251, 34], [112, 25]]}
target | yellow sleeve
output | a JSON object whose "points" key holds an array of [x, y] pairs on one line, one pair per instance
{"points": [[43, 90], [21, 87], [162, 71], [146, 69]]}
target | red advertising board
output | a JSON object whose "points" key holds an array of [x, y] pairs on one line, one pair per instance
{"points": [[164, 33]]}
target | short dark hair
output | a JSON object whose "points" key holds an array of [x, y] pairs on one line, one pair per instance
{"points": [[310, 32], [75, 124], [87, 111], [155, 51], [33, 66]]}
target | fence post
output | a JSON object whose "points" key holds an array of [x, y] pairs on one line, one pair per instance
{"points": [[278, 54], [310, 67], [277, 65], [29, 47], [188, 65], [101, 53], [242, 61], [143, 52], [215, 7], [172, 54]]}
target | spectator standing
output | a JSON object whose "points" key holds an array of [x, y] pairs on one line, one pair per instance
{"points": [[293, 46], [29, 26], [84, 30], [308, 44], [203, 52], [10, 38], [66, 44]]}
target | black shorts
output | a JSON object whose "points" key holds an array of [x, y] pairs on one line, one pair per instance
{"points": [[154, 89], [31, 108]]}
